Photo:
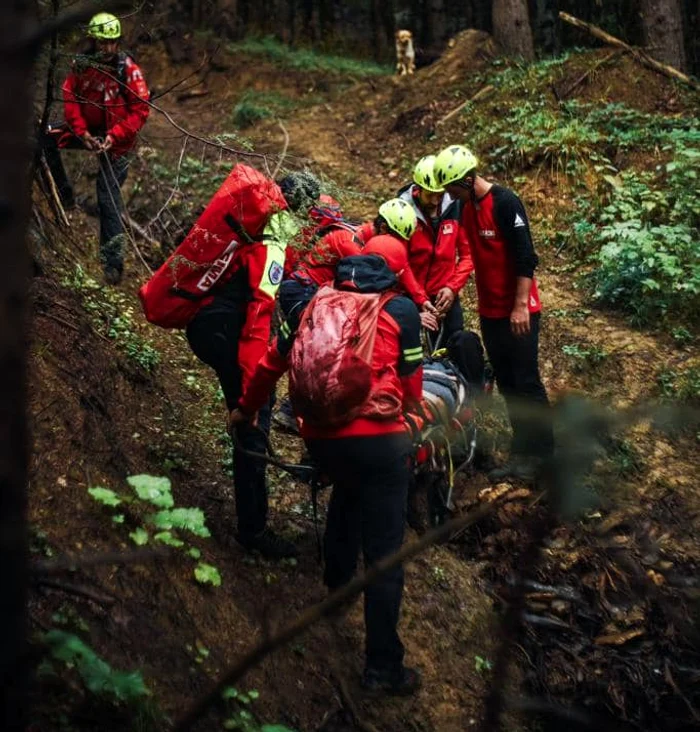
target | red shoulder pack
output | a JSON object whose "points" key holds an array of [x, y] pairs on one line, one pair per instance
{"points": [[330, 374], [236, 215]]}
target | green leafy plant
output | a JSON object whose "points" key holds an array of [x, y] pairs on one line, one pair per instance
{"points": [[96, 674], [206, 574], [105, 496], [584, 356], [482, 665], [112, 314], [155, 491], [187, 519], [241, 717]]}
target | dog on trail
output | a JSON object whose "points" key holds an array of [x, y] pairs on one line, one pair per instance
{"points": [[405, 53]]}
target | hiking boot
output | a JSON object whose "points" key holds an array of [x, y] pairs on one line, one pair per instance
{"points": [[524, 469], [404, 682], [113, 276], [269, 545]]}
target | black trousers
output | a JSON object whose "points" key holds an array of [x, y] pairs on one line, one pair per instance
{"points": [[213, 337], [515, 365], [368, 510], [110, 178]]}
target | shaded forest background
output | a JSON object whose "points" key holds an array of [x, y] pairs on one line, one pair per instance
{"points": [[365, 28]]}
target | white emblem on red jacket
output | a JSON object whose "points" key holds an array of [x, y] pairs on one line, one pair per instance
{"points": [[212, 275], [447, 228]]}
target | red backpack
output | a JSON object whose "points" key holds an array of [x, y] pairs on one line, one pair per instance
{"points": [[235, 216], [330, 374]]}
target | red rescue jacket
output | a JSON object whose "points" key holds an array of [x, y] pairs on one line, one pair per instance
{"points": [[99, 102], [501, 244], [439, 257], [319, 264], [396, 358]]}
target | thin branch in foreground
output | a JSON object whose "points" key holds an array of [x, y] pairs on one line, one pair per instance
{"points": [[316, 612]]}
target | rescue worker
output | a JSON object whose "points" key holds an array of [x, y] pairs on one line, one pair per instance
{"points": [[498, 232], [231, 334], [317, 267], [105, 106], [438, 251], [366, 458]]}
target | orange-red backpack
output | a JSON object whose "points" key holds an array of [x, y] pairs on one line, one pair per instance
{"points": [[236, 216], [330, 372]]}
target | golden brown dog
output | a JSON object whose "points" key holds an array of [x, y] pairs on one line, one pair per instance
{"points": [[405, 53]]}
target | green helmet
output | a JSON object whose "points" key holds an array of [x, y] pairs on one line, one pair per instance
{"points": [[400, 217], [104, 27], [424, 175], [453, 163]]}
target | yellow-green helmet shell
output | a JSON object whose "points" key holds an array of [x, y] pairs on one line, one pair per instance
{"points": [[424, 175], [453, 163], [400, 217], [104, 27]]}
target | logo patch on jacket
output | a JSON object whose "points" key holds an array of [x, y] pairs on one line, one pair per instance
{"points": [[212, 275], [275, 273], [518, 223], [487, 233], [447, 228]]}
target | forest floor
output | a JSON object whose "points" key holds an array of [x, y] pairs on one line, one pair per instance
{"points": [[610, 631]]}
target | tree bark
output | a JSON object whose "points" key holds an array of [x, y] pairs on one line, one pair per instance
{"points": [[663, 31], [16, 81], [511, 28]]}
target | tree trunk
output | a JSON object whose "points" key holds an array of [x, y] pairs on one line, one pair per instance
{"points": [[511, 28], [375, 19], [436, 11], [663, 31], [16, 81], [545, 27]]}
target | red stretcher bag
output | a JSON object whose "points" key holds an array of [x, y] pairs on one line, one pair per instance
{"points": [[236, 216]]}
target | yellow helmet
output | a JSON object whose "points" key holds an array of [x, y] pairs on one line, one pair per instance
{"points": [[400, 217], [424, 175], [104, 27], [453, 163]]}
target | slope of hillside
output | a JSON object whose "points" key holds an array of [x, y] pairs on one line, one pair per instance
{"points": [[114, 397]]}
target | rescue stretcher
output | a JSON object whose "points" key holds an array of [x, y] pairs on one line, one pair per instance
{"points": [[443, 431]]}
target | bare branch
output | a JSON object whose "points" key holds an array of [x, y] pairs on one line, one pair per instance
{"points": [[284, 149]]}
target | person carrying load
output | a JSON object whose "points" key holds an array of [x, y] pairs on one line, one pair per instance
{"points": [[220, 285], [355, 367]]}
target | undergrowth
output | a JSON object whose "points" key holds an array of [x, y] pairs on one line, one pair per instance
{"points": [[169, 525], [255, 106], [636, 230], [305, 59], [112, 314]]}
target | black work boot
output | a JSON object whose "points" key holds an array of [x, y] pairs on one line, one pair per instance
{"points": [[517, 468], [402, 682], [269, 545], [113, 276]]}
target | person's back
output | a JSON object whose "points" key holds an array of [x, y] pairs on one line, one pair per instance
{"points": [[366, 458], [319, 263]]}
